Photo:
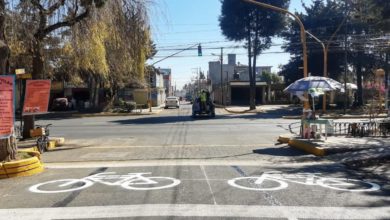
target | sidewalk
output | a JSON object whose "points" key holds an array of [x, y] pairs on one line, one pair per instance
{"points": [[72, 114], [366, 154], [273, 109], [339, 116]]}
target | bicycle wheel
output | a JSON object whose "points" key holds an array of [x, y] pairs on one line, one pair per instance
{"points": [[344, 184], [257, 183], [46, 143], [61, 186], [160, 183], [41, 145]]}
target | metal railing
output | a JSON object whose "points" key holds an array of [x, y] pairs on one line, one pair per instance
{"points": [[354, 129], [362, 129]]}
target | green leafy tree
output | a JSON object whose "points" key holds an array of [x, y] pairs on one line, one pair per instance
{"points": [[110, 49], [322, 19], [270, 78], [368, 48], [240, 21], [358, 26], [45, 17]]}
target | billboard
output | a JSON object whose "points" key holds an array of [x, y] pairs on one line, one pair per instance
{"points": [[37, 97], [7, 105]]}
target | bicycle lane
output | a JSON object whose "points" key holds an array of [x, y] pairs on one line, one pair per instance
{"points": [[202, 189]]}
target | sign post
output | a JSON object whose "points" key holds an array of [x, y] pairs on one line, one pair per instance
{"points": [[7, 105]]}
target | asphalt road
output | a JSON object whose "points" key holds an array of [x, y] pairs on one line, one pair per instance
{"points": [[174, 127], [169, 166]]}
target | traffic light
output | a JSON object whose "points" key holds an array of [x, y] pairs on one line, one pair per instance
{"points": [[199, 50]]}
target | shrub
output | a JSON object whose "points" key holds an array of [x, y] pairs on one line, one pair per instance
{"points": [[130, 106]]}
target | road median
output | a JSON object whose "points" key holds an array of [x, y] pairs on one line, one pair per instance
{"points": [[307, 146]]}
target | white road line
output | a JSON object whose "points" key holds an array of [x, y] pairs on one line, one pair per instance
{"points": [[173, 162], [197, 210], [208, 183], [171, 146]]}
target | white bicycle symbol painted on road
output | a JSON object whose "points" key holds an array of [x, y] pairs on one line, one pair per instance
{"points": [[131, 181], [271, 181]]}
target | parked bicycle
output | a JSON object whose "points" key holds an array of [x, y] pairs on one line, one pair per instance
{"points": [[271, 181], [43, 140], [131, 181]]}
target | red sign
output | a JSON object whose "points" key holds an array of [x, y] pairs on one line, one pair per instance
{"points": [[37, 97], [7, 108]]}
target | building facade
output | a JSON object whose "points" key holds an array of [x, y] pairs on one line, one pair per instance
{"points": [[167, 78], [231, 85]]}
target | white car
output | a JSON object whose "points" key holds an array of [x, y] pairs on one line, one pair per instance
{"points": [[172, 101]]}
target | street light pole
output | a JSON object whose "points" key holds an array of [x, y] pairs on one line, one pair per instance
{"points": [[150, 92], [303, 35]]}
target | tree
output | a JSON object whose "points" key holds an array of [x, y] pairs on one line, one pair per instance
{"points": [[126, 44], [323, 20], [270, 78], [368, 22], [46, 17], [4, 49], [8, 146], [358, 24], [240, 21]]}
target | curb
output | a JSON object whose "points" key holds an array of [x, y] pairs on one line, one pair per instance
{"points": [[25, 167], [307, 147], [335, 117], [59, 141], [53, 143], [283, 139], [86, 115], [238, 112], [30, 149], [243, 112]]}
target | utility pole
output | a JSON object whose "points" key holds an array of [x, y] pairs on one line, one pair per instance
{"points": [[150, 92], [222, 101], [227, 86]]}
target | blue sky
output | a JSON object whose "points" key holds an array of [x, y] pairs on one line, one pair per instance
{"points": [[182, 23]]}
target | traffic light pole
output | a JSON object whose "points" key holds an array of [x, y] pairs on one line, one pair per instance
{"points": [[303, 36]]}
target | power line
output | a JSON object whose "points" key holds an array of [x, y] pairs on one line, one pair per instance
{"points": [[365, 40], [183, 56], [188, 44]]}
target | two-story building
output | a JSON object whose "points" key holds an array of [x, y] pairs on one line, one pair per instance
{"points": [[167, 78], [231, 86], [153, 90]]}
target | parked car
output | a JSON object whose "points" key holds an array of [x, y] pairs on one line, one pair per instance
{"points": [[61, 104], [172, 101]]}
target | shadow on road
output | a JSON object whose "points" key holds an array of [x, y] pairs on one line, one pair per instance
{"points": [[164, 119], [280, 151]]}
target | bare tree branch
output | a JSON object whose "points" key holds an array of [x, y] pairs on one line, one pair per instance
{"points": [[55, 6], [66, 23]]}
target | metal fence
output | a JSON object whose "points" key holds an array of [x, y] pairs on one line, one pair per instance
{"points": [[354, 129], [362, 129]]}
